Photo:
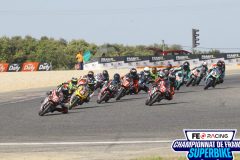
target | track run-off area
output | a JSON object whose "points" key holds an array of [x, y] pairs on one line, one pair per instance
{"points": [[115, 130]]}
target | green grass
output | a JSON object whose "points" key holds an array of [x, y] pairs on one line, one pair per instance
{"points": [[236, 157]]}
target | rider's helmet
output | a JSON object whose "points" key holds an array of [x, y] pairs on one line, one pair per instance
{"points": [[64, 89], [116, 77], [154, 70], [219, 63], [146, 71], [204, 64], [186, 65], [90, 74], [105, 74], [223, 63], [82, 81], [133, 71], [74, 81], [169, 66], [161, 74]]}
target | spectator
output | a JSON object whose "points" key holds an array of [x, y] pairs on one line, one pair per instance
{"points": [[79, 58]]}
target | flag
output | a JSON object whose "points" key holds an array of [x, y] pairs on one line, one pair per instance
{"points": [[86, 56]]}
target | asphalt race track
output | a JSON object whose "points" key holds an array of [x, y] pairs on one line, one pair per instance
{"points": [[126, 120]]}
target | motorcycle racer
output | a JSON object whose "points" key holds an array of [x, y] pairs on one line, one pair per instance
{"points": [[101, 78], [184, 70], [133, 76], [154, 73], [163, 77], [145, 79]]}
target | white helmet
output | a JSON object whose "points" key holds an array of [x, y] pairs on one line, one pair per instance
{"points": [[204, 63], [146, 71]]}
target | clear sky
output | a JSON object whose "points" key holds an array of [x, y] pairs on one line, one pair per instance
{"points": [[125, 21]]}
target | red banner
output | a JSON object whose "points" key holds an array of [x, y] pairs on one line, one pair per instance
{"points": [[4, 67], [30, 66]]}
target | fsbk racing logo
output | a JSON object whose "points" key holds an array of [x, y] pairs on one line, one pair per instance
{"points": [[30, 66], [209, 135]]}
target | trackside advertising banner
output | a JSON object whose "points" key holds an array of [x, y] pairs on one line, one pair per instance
{"points": [[203, 57], [110, 59], [14, 67], [231, 55], [25, 67], [130, 59], [159, 58], [30, 66], [185, 57], [44, 67], [4, 67]]}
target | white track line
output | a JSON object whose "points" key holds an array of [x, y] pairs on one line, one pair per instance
{"points": [[83, 143]]}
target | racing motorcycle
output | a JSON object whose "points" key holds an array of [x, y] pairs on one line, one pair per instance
{"points": [[108, 91], [79, 96], [157, 93], [181, 79], [50, 103], [144, 83], [193, 77], [99, 82], [202, 74], [212, 78], [125, 88]]}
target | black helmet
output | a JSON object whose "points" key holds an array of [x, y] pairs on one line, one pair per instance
{"points": [[219, 63], [74, 81], [105, 73], [169, 66], [186, 65], [133, 71], [116, 77], [90, 74]]}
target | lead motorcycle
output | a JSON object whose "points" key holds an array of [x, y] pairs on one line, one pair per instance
{"points": [[108, 91], [50, 103], [158, 92]]}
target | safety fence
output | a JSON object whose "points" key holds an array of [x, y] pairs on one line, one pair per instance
{"points": [[25, 67]]}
